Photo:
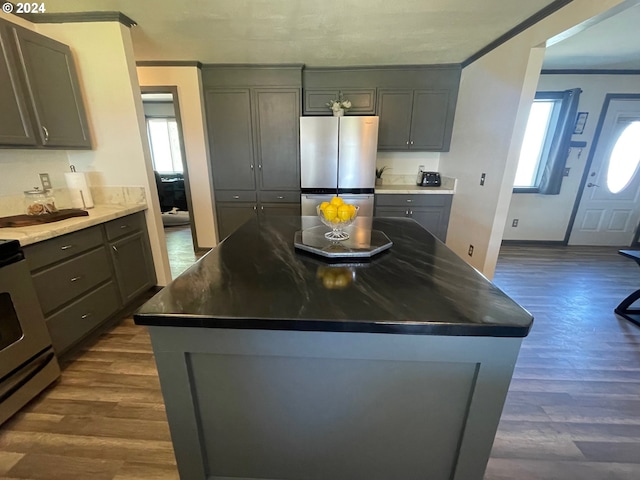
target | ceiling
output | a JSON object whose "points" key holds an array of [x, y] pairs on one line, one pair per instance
{"points": [[352, 32]]}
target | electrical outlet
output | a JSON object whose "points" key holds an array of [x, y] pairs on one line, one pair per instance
{"points": [[514, 223], [482, 178], [45, 181], [566, 172], [471, 250]]}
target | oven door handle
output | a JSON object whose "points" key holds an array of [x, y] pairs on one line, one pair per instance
{"points": [[43, 362]]}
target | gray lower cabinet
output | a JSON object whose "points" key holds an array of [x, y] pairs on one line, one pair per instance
{"points": [[41, 74], [131, 256], [415, 119], [430, 211], [232, 215], [82, 281]]}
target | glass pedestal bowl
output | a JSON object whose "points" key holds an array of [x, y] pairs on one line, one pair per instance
{"points": [[337, 224]]}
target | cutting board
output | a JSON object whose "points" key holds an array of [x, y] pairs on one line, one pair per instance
{"points": [[28, 220]]}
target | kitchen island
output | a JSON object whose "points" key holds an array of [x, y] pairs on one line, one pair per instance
{"points": [[277, 364]]}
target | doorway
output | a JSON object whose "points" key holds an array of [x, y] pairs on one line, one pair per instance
{"points": [[608, 211], [164, 129]]}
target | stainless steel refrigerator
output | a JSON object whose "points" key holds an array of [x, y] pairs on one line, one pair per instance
{"points": [[338, 157]]}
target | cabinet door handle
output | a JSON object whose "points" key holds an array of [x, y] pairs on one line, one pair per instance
{"points": [[46, 134], [66, 247], [411, 142], [75, 279], [259, 166], [406, 212], [86, 315], [255, 208], [251, 166], [262, 207], [123, 226], [411, 213], [407, 142], [115, 249]]}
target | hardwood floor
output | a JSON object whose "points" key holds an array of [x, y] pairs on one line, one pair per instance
{"points": [[573, 410], [180, 248]]}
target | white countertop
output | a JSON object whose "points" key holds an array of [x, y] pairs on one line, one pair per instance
{"points": [[448, 187], [98, 214]]}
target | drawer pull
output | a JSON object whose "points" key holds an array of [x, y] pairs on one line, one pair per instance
{"points": [[46, 134], [124, 226], [280, 197], [75, 279], [409, 200], [86, 315], [115, 249], [66, 247], [236, 197]]}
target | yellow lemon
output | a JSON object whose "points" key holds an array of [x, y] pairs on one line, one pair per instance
{"points": [[330, 212], [344, 212], [324, 205], [352, 211], [337, 201]]}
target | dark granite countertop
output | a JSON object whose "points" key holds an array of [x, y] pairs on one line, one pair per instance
{"points": [[256, 279]]}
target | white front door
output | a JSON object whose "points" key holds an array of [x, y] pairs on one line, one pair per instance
{"points": [[609, 208]]}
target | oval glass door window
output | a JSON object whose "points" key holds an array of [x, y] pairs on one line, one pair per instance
{"points": [[624, 159]]}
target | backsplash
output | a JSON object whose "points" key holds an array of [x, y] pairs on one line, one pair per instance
{"points": [[15, 204]]}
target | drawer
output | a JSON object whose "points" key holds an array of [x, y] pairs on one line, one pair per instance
{"points": [[60, 248], [418, 200], [125, 225], [280, 197], [80, 317], [235, 196], [59, 284]]}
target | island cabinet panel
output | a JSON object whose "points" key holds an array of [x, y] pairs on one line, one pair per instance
{"points": [[286, 404], [53, 90], [430, 211], [363, 100], [231, 138], [277, 138], [81, 281], [15, 121]]}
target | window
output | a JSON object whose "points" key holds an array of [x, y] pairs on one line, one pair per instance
{"points": [[165, 145], [546, 142], [624, 158]]}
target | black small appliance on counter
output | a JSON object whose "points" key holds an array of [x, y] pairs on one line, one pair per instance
{"points": [[429, 179]]}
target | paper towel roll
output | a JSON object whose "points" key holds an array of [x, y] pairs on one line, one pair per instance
{"points": [[80, 193]]}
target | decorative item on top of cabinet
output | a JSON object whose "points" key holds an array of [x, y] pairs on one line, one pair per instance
{"points": [[48, 85], [415, 119]]}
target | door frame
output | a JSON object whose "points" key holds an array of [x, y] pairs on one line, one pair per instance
{"points": [[173, 90], [585, 174]]}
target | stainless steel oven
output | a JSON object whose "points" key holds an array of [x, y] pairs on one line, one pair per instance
{"points": [[27, 362]]}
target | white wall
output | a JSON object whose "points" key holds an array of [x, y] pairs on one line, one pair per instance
{"points": [[189, 84], [120, 157], [546, 217], [490, 119]]}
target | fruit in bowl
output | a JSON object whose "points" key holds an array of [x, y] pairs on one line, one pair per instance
{"points": [[337, 215]]}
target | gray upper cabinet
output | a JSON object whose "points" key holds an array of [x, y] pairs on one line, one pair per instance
{"points": [[52, 88], [363, 100], [414, 119], [277, 135], [394, 110], [15, 122], [231, 138]]}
